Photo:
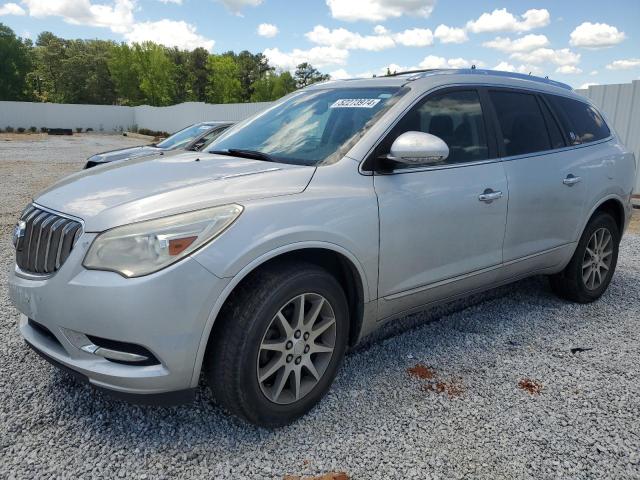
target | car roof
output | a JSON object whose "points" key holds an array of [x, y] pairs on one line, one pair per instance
{"points": [[438, 77]]}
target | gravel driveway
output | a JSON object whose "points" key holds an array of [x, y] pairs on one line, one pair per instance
{"points": [[510, 384]]}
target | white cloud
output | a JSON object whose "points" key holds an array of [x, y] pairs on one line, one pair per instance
{"points": [[236, 6], [584, 86], [317, 56], [378, 10], [563, 56], [267, 30], [415, 37], [344, 39], [502, 20], [624, 64], [118, 16], [340, 74], [177, 2], [433, 61], [596, 35], [568, 70], [450, 34], [169, 33], [11, 9], [522, 44], [524, 69], [594, 72], [341, 38], [505, 67], [380, 29]]}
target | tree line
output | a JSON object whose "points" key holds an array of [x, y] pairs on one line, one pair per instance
{"points": [[104, 72]]}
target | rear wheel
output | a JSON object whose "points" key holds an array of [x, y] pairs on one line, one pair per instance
{"points": [[591, 268], [278, 344]]}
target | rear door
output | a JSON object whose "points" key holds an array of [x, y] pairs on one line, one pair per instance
{"points": [[546, 180]]}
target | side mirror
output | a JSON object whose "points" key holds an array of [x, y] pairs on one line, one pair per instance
{"points": [[418, 148]]}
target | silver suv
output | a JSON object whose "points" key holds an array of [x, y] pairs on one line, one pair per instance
{"points": [[344, 206]]}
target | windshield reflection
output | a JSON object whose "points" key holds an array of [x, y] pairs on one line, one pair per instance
{"points": [[311, 127]]}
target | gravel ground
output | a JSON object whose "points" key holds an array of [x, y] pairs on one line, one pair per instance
{"points": [[492, 389]]}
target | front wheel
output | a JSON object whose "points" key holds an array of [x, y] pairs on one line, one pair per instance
{"points": [[279, 344], [591, 268]]}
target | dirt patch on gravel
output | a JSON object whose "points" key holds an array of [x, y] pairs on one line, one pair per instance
{"points": [[326, 476], [534, 387], [422, 372], [451, 387]]}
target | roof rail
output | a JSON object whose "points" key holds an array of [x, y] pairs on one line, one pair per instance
{"points": [[408, 72], [477, 71]]}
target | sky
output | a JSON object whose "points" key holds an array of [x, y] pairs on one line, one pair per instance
{"points": [[579, 42]]}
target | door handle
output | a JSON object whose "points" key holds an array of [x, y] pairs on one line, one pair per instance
{"points": [[489, 196], [571, 180]]}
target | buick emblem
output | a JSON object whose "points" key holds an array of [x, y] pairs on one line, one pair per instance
{"points": [[18, 232]]}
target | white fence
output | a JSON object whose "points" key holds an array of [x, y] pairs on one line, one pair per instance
{"points": [[621, 105], [54, 115], [110, 118]]}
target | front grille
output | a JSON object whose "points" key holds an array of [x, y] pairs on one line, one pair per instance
{"points": [[47, 241]]}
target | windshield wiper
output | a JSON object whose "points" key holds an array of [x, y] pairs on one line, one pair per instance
{"points": [[240, 152]]}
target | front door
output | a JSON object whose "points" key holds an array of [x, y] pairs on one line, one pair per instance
{"points": [[441, 227]]}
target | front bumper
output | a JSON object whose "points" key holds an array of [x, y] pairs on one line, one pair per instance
{"points": [[164, 312]]}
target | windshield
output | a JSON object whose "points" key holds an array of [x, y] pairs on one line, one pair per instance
{"points": [[312, 127], [184, 136]]}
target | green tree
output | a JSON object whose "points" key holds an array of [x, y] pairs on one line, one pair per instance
{"points": [[251, 68], [155, 72], [306, 74], [181, 80], [285, 83], [103, 72], [124, 74], [224, 83], [15, 63], [198, 59], [272, 86], [85, 77], [49, 56]]}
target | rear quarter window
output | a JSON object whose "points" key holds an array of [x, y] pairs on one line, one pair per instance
{"points": [[582, 122]]}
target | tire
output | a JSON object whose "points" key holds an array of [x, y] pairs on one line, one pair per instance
{"points": [[250, 321], [570, 284]]}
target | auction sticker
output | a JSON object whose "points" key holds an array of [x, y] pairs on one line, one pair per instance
{"points": [[355, 103]]}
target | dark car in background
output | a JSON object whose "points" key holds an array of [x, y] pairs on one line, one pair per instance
{"points": [[194, 137]]}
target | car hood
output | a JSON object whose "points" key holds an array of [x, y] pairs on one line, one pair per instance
{"points": [[132, 152], [141, 189]]}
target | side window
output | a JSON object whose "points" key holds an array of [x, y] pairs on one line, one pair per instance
{"points": [[555, 133], [521, 122], [583, 122], [455, 117]]}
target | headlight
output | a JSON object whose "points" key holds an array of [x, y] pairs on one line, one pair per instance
{"points": [[146, 247]]}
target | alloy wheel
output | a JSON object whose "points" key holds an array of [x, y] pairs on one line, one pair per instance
{"points": [[296, 348], [596, 262]]}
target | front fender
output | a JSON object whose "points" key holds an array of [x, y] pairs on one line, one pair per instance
{"points": [[250, 267]]}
